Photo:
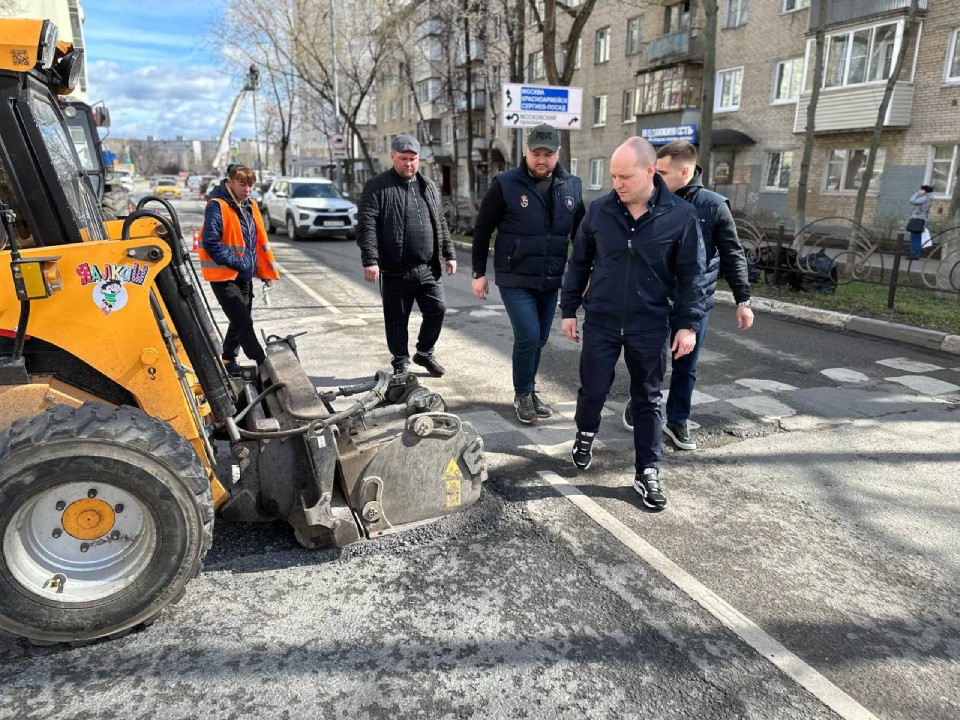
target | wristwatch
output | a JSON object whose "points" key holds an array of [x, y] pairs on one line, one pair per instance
{"points": [[478, 275], [745, 303]]}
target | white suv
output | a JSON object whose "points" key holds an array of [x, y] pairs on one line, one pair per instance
{"points": [[308, 207]]}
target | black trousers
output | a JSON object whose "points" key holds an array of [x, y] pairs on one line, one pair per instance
{"points": [[236, 299], [645, 354], [421, 285]]}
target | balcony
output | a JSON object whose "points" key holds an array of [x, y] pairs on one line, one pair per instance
{"points": [[685, 45], [855, 108], [842, 11]]}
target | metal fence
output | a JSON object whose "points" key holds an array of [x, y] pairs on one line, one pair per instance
{"points": [[836, 251]]}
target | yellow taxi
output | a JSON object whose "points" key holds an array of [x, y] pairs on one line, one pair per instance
{"points": [[167, 187]]}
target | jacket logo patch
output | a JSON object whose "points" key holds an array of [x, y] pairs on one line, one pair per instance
{"points": [[524, 201], [568, 201]]}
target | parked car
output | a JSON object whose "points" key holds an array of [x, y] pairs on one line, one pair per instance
{"points": [[308, 207], [167, 187]]}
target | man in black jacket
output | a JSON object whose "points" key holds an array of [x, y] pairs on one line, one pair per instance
{"points": [[641, 251], [677, 165], [535, 209], [403, 239]]}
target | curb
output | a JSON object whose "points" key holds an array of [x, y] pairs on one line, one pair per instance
{"points": [[921, 337]]}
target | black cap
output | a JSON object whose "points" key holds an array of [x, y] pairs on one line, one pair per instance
{"points": [[544, 136], [406, 143]]}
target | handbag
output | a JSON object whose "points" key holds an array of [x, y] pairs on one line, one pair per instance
{"points": [[915, 225], [925, 239]]}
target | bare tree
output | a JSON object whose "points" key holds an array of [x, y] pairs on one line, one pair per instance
{"points": [[909, 29], [819, 42]]}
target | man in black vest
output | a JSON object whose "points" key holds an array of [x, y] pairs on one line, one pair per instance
{"points": [[677, 165], [535, 209], [403, 238]]}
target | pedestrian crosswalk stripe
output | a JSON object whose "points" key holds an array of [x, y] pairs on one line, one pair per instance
{"points": [[761, 385], [764, 407], [845, 375], [925, 385], [907, 365]]}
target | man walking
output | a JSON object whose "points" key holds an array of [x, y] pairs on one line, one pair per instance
{"points": [[403, 239], [641, 251], [535, 209], [677, 165]]}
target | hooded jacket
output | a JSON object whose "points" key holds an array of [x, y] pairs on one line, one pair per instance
{"points": [[724, 253], [639, 271], [234, 245]]}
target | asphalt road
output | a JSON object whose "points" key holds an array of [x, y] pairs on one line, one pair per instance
{"points": [[805, 568]]}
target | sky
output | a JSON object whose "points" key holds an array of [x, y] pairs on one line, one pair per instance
{"points": [[157, 68]]}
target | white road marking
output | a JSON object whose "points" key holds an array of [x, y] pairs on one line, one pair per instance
{"points": [[924, 384], [764, 407], [483, 313], [910, 366], [698, 398], [844, 375], [310, 291], [761, 385], [747, 630]]}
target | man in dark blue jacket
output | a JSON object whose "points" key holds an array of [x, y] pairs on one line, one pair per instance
{"points": [[677, 165], [641, 252], [535, 209]]}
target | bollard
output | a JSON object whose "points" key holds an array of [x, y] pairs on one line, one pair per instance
{"points": [[898, 251]]}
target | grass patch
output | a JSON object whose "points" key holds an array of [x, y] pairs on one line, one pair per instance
{"points": [[910, 307]]}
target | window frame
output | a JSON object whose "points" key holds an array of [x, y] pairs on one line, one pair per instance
{"points": [[953, 56], [598, 164], [798, 5], [601, 45], [743, 13], [774, 100], [778, 188], [629, 101], [533, 65], [573, 166], [845, 167], [718, 87], [634, 42], [951, 171], [599, 109], [848, 33]]}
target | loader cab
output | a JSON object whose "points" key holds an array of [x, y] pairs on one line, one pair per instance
{"points": [[41, 177], [83, 121]]}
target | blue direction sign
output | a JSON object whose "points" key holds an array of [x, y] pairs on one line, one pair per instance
{"points": [[530, 105]]}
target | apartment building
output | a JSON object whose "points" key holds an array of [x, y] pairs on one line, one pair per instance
{"points": [[640, 64]]}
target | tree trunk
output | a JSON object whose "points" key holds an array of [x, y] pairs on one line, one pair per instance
{"points": [[818, 51], [468, 59], [908, 30], [709, 87]]}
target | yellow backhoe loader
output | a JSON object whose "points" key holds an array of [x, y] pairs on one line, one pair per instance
{"points": [[113, 399]]}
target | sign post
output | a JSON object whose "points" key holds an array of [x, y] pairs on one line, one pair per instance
{"points": [[531, 105]]}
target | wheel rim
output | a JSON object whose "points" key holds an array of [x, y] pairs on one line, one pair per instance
{"points": [[79, 542]]}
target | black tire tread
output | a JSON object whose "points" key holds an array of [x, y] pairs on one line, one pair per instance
{"points": [[127, 426]]}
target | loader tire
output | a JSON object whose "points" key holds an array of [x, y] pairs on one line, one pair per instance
{"points": [[114, 205], [105, 516]]}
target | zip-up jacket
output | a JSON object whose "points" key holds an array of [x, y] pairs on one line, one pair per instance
{"points": [[381, 222], [639, 271], [533, 231], [234, 245], [721, 244]]}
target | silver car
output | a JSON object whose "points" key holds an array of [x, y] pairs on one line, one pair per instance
{"points": [[308, 207]]}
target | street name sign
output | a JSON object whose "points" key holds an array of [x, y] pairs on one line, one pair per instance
{"points": [[531, 105]]}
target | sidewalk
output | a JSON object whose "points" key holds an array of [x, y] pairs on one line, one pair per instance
{"points": [[921, 337]]}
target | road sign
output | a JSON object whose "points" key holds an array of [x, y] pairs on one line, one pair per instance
{"points": [[338, 142], [339, 154], [530, 105]]}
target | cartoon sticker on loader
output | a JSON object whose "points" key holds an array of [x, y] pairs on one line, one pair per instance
{"points": [[109, 293]]}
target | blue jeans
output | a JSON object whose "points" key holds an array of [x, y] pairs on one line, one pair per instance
{"points": [[915, 248], [531, 315], [683, 377]]}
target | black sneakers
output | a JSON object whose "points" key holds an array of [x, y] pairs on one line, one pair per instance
{"points": [[647, 484], [400, 365], [583, 449], [430, 363], [628, 416], [526, 410], [543, 411], [679, 435], [232, 367]]}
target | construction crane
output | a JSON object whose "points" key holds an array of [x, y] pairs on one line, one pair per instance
{"points": [[250, 85]]}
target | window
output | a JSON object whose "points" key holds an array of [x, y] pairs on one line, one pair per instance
{"points": [[777, 176], [539, 5], [844, 170], [535, 67], [672, 88], [495, 76], [601, 47], [728, 89], [791, 5], [576, 57], [495, 27], [676, 17], [736, 13], [942, 168], [627, 114], [599, 110], [952, 71], [434, 49], [633, 36], [428, 90], [860, 55], [596, 174], [786, 83], [573, 166]]}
